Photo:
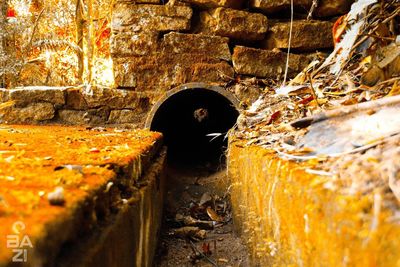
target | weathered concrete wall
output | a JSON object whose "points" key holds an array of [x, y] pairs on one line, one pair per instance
{"points": [[289, 217]]}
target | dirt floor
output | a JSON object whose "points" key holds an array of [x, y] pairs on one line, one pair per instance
{"points": [[198, 197]]}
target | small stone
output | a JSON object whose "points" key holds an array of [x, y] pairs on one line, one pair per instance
{"points": [[56, 198]]}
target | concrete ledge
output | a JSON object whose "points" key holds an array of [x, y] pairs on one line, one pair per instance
{"points": [[109, 207], [290, 217]]}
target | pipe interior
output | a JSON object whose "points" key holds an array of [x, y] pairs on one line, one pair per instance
{"points": [[187, 117]]}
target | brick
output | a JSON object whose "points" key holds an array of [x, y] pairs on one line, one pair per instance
{"points": [[133, 43], [131, 17], [166, 70], [32, 113], [216, 3], [307, 35], [23, 96], [266, 63], [233, 24], [213, 46]]}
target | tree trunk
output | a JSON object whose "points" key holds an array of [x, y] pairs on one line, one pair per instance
{"points": [[79, 37], [90, 40], [3, 21]]}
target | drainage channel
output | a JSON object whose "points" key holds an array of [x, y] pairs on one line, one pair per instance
{"points": [[197, 224]]}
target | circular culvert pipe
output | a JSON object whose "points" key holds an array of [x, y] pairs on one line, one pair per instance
{"points": [[187, 114]]}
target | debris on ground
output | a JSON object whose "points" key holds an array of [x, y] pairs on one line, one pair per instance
{"points": [[198, 226], [341, 113], [57, 197]]}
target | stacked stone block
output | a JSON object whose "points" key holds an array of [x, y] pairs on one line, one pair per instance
{"points": [[74, 106], [157, 46]]}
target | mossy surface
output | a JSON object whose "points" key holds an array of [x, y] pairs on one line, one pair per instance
{"points": [[36, 160], [290, 217]]}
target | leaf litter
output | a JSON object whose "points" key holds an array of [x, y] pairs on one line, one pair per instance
{"points": [[339, 112]]}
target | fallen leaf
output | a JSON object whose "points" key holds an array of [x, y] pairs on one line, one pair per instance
{"points": [[213, 215]]}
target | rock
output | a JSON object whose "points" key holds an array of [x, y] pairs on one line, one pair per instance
{"points": [[140, 1], [134, 43], [266, 63], [57, 197], [213, 73], [246, 93], [134, 18], [216, 3], [233, 24], [272, 6], [75, 99], [326, 8], [95, 97], [166, 70], [307, 35], [84, 117], [213, 46], [23, 96], [4, 95], [125, 116], [330, 8], [32, 113]]}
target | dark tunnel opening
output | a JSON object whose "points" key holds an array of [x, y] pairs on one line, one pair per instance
{"points": [[187, 117]]}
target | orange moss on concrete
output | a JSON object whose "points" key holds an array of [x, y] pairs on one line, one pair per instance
{"points": [[290, 217], [86, 163]]}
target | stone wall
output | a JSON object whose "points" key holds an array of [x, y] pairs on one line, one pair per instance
{"points": [[74, 106], [157, 46]]}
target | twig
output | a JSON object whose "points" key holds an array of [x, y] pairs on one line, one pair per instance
{"points": [[289, 43], [313, 90], [34, 31], [203, 255], [312, 9]]}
